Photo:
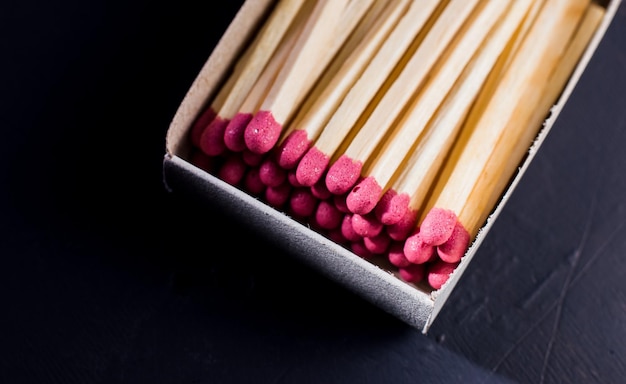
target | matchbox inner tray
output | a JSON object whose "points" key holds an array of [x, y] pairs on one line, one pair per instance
{"points": [[375, 281]]}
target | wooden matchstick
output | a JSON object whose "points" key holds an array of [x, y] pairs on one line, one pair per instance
{"points": [[249, 66], [496, 138], [313, 164], [411, 129], [326, 30], [336, 82], [346, 170]]}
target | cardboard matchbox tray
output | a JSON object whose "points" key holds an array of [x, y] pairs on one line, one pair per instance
{"points": [[414, 305]]}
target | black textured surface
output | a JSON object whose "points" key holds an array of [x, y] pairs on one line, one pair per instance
{"points": [[107, 278]]}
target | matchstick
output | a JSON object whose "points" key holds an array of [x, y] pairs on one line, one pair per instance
{"points": [[412, 128], [346, 170], [336, 82], [249, 67], [420, 168], [328, 27], [496, 138], [314, 162]]}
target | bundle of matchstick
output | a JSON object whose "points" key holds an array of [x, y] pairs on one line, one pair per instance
{"points": [[392, 127]]}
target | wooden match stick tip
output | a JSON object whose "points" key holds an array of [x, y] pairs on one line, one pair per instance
{"points": [[437, 226], [212, 138], [363, 197]]}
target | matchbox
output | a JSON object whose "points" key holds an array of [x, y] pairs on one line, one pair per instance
{"points": [[374, 278]]}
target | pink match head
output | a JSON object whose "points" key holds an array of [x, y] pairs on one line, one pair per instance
{"points": [[340, 203], [437, 226], [302, 202], [392, 207], [396, 254], [212, 139], [252, 182], [439, 272], [233, 170], [348, 230], [312, 167], [417, 251], [200, 124], [403, 228], [271, 174], [327, 216], [412, 273], [320, 191], [262, 132], [234, 131], [377, 244], [278, 196], [366, 225], [364, 196], [361, 250], [343, 174], [292, 179], [293, 148], [251, 158], [455, 247]]}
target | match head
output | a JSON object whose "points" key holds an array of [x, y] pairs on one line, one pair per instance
{"points": [[302, 202], [359, 249], [455, 247], [437, 226], [271, 174], [439, 273], [366, 225], [293, 148], [347, 230], [320, 191], [233, 170], [262, 133], [278, 196], [377, 244], [396, 255], [412, 273], [417, 251], [233, 134], [212, 139], [327, 216], [252, 182], [392, 207], [403, 228], [343, 174], [364, 196], [312, 167]]}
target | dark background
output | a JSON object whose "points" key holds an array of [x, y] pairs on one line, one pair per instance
{"points": [[108, 278]]}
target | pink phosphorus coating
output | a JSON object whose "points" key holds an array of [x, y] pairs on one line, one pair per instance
{"points": [[340, 203], [413, 273], [377, 244], [327, 216], [271, 174], [312, 167], [348, 230], [200, 124], [293, 180], [439, 272], [392, 207], [278, 196], [437, 226], [320, 191], [262, 132], [336, 235], [417, 251], [293, 148], [361, 250], [252, 182], [366, 225], [403, 228], [395, 254], [343, 174], [233, 133], [233, 170], [364, 196], [454, 248], [251, 158], [302, 202], [212, 139]]}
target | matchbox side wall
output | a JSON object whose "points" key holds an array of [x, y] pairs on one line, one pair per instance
{"points": [[412, 304]]}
